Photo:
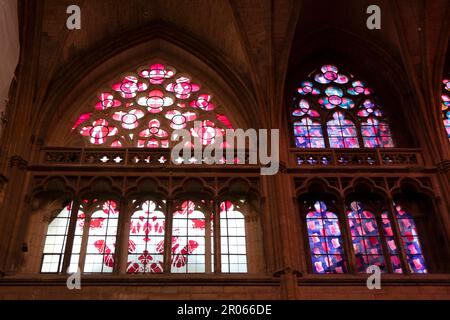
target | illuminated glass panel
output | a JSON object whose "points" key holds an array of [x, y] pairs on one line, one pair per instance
{"points": [[232, 238], [55, 241], [376, 134], [146, 241], [188, 239], [366, 241], [142, 108], [410, 239], [342, 132], [325, 240], [77, 239], [308, 134], [102, 239], [446, 105], [329, 90]]}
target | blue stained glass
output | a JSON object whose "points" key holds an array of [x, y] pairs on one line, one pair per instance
{"points": [[410, 239], [333, 91], [365, 238], [445, 98], [376, 134], [390, 241], [325, 241], [308, 134], [342, 132]]}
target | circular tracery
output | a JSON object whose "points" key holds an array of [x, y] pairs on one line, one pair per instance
{"points": [[150, 92]]}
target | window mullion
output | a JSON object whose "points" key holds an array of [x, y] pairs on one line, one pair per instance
{"points": [[84, 239], [208, 241], [168, 236], [387, 256], [347, 240], [70, 235], [217, 238], [397, 237], [123, 234]]}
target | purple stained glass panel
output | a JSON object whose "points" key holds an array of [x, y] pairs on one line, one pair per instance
{"points": [[325, 241], [410, 239], [365, 238]]}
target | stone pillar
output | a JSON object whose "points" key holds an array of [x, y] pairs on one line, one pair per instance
{"points": [[11, 215]]}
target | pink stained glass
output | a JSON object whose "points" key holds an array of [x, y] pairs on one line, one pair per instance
{"points": [[183, 87], [146, 240], [100, 253], [107, 100], [188, 239], [83, 117], [129, 86], [157, 73], [203, 102], [325, 240], [156, 92], [206, 132], [99, 131], [376, 134]]}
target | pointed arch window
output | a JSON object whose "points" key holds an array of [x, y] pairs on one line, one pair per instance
{"points": [[446, 105], [340, 106], [325, 241], [146, 240], [55, 240], [101, 240], [142, 108], [232, 238], [410, 240]]}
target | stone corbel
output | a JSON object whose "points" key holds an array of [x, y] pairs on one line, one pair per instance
{"points": [[288, 271], [19, 162]]}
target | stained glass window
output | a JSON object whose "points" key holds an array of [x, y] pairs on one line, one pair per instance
{"points": [[93, 238], [232, 238], [410, 240], [341, 106], [446, 105], [142, 108], [366, 241], [146, 242], [101, 242], [55, 241], [325, 240], [189, 232]]}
